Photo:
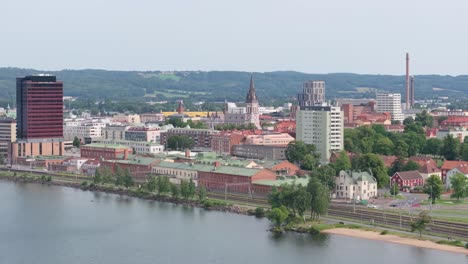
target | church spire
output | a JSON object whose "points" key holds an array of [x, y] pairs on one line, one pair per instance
{"points": [[251, 96]]}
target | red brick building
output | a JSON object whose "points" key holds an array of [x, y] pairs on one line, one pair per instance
{"points": [[283, 168], [223, 142], [456, 121], [201, 137], [139, 167], [236, 179], [106, 151], [408, 179]]}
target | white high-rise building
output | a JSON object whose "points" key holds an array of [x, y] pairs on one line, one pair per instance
{"points": [[390, 103], [313, 93], [321, 126]]}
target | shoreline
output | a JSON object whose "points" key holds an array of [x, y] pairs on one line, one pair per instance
{"points": [[371, 235], [243, 210], [235, 209]]}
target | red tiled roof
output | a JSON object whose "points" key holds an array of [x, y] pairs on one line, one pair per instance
{"points": [[409, 175], [429, 168], [463, 169], [388, 160], [423, 161], [450, 164]]}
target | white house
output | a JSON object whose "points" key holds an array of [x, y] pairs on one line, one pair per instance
{"points": [[355, 185], [463, 169]]}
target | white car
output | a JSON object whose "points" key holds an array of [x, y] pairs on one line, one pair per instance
{"points": [[372, 206]]}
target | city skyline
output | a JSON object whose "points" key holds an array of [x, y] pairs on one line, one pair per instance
{"points": [[361, 37]]}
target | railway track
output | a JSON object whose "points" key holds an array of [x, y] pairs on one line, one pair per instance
{"points": [[450, 229]]}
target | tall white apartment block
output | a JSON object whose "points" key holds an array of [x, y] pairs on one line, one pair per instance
{"points": [[390, 103], [321, 126]]}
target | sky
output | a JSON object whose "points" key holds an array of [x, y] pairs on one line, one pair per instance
{"points": [[358, 36]]}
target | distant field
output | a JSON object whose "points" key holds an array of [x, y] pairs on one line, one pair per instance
{"points": [[365, 90], [167, 94], [161, 76]]}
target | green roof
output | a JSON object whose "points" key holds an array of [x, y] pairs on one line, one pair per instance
{"points": [[136, 160], [103, 145], [278, 183], [210, 168]]}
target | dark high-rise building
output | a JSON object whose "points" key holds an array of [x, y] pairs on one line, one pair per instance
{"points": [[313, 93], [39, 103]]}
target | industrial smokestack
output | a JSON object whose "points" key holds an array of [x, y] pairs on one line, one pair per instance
{"points": [[412, 92], [407, 82]]}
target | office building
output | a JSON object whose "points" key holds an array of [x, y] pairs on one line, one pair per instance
{"points": [[39, 106], [313, 93], [390, 103], [7, 135]]}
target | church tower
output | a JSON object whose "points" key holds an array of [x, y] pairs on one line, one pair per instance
{"points": [[251, 106]]}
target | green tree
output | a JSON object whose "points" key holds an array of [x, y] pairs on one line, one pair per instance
{"points": [[176, 122], [97, 177], [76, 142], [309, 162], [408, 121], [192, 188], [411, 165], [415, 141], [177, 142], [164, 185], [432, 146], [119, 176], [394, 190], [420, 223], [433, 187], [152, 184], [384, 146], [297, 150], [450, 147], [278, 215], [127, 179], [342, 162], [425, 119], [294, 197], [326, 175], [175, 191], [107, 175], [185, 189], [401, 148], [397, 166], [2, 159], [375, 164], [459, 184], [320, 198], [464, 150], [201, 193]]}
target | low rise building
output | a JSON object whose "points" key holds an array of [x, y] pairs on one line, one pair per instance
{"points": [[138, 166], [152, 118], [139, 147], [114, 132], [449, 165], [127, 118], [201, 137], [263, 187], [177, 171], [355, 185], [224, 142], [269, 139], [407, 179], [462, 169], [266, 152], [429, 169], [106, 151], [147, 134], [7, 136]]}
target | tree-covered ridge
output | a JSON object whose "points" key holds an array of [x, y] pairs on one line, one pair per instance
{"points": [[215, 86]]}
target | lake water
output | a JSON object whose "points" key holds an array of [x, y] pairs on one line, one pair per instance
{"points": [[52, 224]]}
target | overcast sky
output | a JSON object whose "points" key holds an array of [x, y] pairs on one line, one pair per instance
{"points": [[358, 36]]}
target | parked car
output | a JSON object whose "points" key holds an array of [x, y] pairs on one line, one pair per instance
{"points": [[393, 205], [372, 206]]}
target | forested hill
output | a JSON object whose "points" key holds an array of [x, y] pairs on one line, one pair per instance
{"points": [[220, 85]]}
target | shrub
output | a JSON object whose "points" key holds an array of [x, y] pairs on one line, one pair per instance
{"points": [[211, 203], [451, 243], [259, 212], [49, 178], [466, 245], [84, 184], [384, 232]]}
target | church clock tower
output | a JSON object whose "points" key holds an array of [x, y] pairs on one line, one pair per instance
{"points": [[251, 106]]}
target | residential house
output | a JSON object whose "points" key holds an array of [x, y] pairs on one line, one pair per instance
{"points": [[407, 179], [463, 169], [355, 185]]}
